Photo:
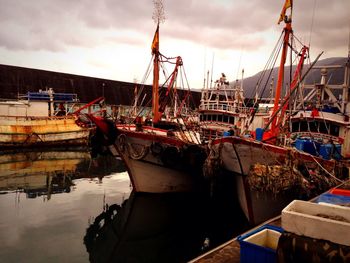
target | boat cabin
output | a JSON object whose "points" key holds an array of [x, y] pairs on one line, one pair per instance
{"points": [[43, 103]]}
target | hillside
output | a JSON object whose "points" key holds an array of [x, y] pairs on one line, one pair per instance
{"points": [[335, 76]]}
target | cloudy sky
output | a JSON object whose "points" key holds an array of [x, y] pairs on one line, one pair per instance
{"points": [[111, 38]]}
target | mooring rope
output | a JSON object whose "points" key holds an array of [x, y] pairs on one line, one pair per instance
{"points": [[324, 169]]}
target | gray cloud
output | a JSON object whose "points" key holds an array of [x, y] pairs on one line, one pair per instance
{"points": [[58, 25]]}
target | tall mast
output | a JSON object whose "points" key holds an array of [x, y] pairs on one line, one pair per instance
{"points": [[158, 17], [287, 32], [155, 86]]}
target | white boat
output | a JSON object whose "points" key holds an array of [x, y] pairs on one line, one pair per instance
{"points": [[288, 155], [223, 111]]}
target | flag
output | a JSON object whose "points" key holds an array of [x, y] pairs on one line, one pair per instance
{"points": [[287, 4], [155, 42]]}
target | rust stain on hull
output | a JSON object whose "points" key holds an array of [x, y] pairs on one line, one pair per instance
{"points": [[24, 131]]}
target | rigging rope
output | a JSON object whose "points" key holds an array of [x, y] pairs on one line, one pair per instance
{"points": [[274, 53], [312, 22]]}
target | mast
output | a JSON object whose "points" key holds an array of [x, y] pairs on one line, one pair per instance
{"points": [[287, 32], [294, 84], [155, 87], [158, 17]]}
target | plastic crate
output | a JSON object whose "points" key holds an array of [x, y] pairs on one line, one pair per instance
{"points": [[260, 244], [328, 222], [299, 144], [334, 199], [325, 151], [341, 192]]}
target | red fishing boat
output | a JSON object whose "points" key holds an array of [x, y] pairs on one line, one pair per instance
{"points": [[161, 152], [284, 160]]}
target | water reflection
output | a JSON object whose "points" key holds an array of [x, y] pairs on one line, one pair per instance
{"points": [[175, 227], [149, 228], [66, 224], [38, 173], [68, 188]]}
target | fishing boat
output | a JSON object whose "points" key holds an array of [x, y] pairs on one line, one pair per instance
{"points": [[41, 119], [224, 111], [284, 161], [161, 152]]}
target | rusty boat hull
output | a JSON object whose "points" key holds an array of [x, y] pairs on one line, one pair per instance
{"points": [[41, 131]]}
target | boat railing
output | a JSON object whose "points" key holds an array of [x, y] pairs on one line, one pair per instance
{"points": [[5, 117], [230, 108], [319, 135]]}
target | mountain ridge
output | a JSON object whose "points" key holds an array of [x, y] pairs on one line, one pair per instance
{"points": [[336, 76]]}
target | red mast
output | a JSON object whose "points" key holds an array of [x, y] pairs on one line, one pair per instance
{"points": [[294, 84], [287, 32]]}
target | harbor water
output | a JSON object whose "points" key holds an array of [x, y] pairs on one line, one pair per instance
{"points": [[65, 206]]}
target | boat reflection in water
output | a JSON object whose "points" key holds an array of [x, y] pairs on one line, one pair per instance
{"points": [[171, 227], [38, 173], [148, 228]]}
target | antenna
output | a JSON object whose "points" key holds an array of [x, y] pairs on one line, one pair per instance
{"points": [[211, 77], [239, 62], [158, 12], [205, 62], [349, 43]]}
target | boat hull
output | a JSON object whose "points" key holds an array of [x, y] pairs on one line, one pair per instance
{"points": [[160, 164], [239, 155], [50, 131], [152, 178]]}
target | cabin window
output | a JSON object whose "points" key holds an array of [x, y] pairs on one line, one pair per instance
{"points": [[295, 126], [232, 120], [334, 130], [201, 117], [220, 118], [225, 119], [303, 126], [209, 117], [313, 126], [323, 127]]}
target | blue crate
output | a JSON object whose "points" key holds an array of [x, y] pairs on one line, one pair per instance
{"points": [[299, 144], [325, 151], [333, 199], [259, 133], [311, 147], [328, 151], [253, 251]]}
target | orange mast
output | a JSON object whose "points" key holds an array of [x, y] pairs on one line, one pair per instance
{"points": [[287, 31], [155, 87], [294, 84]]}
